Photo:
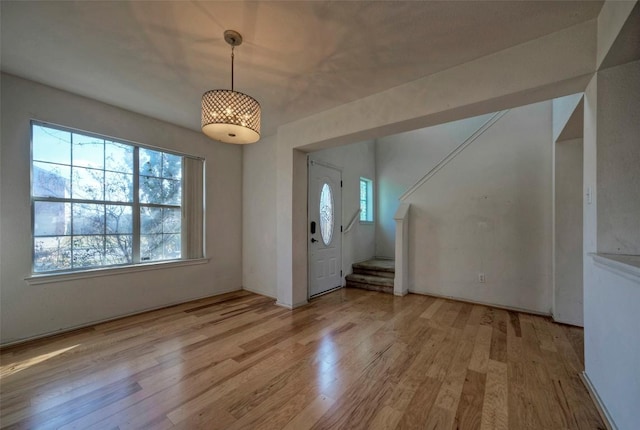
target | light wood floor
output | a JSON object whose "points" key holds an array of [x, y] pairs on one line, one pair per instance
{"points": [[351, 360]]}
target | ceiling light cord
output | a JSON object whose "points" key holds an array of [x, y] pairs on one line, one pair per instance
{"points": [[232, 48]]}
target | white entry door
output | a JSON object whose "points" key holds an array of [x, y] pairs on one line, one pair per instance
{"points": [[324, 228]]}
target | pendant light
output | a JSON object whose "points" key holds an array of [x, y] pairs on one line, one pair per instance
{"points": [[227, 115]]}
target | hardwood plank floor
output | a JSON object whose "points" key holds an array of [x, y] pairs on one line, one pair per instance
{"points": [[352, 359]]}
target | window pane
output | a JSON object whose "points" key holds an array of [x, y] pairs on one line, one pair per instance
{"points": [[51, 145], [150, 190], [88, 218], [118, 187], [119, 219], [326, 214], [118, 157], [171, 246], [51, 219], [171, 166], [171, 220], [87, 251], [50, 180], [171, 192], [151, 247], [150, 220], [51, 253], [160, 191], [154, 247], [366, 206], [118, 249], [363, 209], [160, 177], [87, 184], [160, 220], [88, 151], [150, 162]]}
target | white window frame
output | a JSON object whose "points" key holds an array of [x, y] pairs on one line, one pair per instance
{"points": [[366, 218], [192, 216]]}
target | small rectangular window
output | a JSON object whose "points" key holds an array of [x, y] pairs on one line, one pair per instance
{"points": [[98, 202], [366, 200]]}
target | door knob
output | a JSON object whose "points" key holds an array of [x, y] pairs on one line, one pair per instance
{"points": [[313, 240]]}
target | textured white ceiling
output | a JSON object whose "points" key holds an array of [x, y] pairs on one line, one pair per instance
{"points": [[298, 58]]}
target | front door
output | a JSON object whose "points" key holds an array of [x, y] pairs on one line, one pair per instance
{"points": [[324, 228]]}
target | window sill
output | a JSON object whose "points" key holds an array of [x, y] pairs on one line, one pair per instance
{"points": [[50, 278], [366, 222]]}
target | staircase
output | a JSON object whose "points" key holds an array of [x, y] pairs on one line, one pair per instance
{"points": [[374, 275]]}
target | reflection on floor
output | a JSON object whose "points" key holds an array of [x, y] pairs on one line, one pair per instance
{"points": [[351, 359]]}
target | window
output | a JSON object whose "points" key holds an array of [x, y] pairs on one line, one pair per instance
{"points": [[326, 214], [366, 200], [99, 202]]}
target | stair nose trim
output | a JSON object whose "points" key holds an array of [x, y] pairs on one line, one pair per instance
{"points": [[366, 265]]}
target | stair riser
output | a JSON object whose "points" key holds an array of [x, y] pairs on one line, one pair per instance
{"points": [[373, 280], [379, 273], [370, 287]]}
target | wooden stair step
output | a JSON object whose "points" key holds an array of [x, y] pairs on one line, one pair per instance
{"points": [[371, 287], [378, 265], [367, 279], [378, 273], [373, 275]]}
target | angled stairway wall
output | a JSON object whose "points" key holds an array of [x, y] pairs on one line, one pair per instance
{"points": [[402, 159], [486, 211]]}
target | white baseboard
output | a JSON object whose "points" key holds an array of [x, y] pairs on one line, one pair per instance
{"points": [[294, 306], [572, 323], [260, 293], [602, 409], [475, 302]]}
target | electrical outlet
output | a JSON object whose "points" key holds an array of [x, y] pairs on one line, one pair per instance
{"points": [[481, 278]]}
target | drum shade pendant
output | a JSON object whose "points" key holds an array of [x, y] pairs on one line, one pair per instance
{"points": [[227, 115]]}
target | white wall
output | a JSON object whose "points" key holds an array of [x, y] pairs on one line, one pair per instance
{"points": [[489, 211], [551, 66], [611, 317], [34, 310], [619, 159], [567, 302], [259, 217], [612, 345], [355, 160], [403, 159], [567, 113]]}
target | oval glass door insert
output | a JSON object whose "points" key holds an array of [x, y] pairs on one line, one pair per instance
{"points": [[326, 213]]}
